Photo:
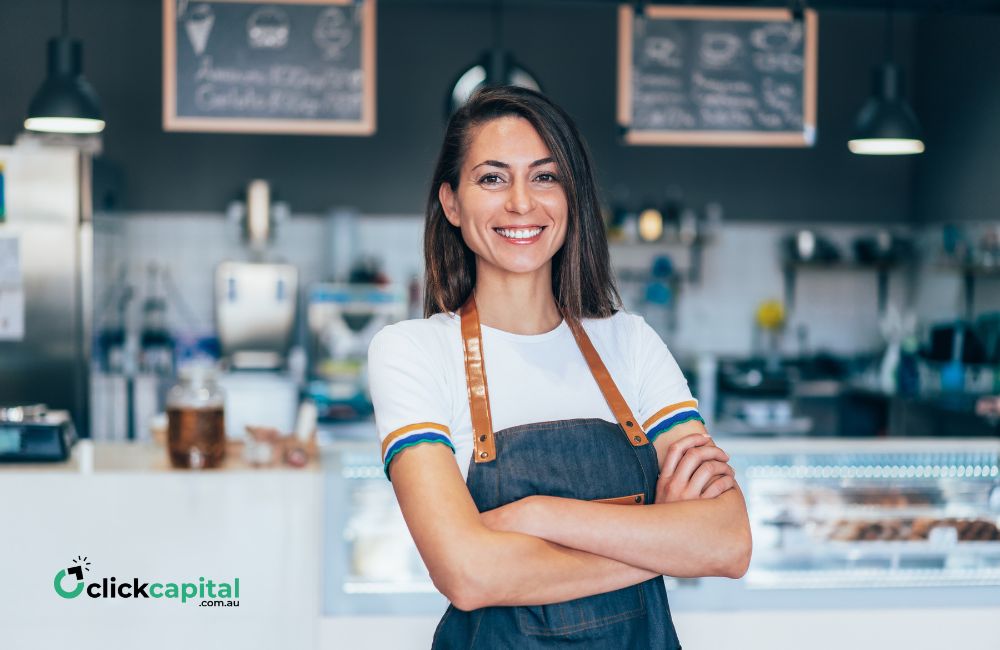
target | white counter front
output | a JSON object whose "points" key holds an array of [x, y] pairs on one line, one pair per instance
{"points": [[140, 522]]}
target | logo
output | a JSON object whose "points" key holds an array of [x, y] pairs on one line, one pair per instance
{"points": [[206, 592], [76, 571]]}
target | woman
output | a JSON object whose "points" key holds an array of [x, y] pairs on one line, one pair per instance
{"points": [[584, 410]]}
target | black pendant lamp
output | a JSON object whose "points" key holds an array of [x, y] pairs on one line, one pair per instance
{"points": [[496, 67], [886, 125], [65, 103]]}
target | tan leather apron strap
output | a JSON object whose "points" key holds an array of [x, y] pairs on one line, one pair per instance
{"points": [[483, 446], [608, 387]]}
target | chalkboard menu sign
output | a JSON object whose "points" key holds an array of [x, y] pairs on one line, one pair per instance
{"points": [[717, 76], [284, 66]]}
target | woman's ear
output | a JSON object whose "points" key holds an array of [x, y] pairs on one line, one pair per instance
{"points": [[446, 196]]}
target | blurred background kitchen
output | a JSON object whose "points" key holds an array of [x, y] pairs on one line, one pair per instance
{"points": [[190, 279]]}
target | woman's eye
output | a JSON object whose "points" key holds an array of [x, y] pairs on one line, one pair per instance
{"points": [[547, 177], [490, 179]]}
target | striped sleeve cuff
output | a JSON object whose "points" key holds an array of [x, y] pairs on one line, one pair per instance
{"points": [[410, 435], [670, 416]]}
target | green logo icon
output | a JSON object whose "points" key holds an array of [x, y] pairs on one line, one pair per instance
{"points": [[76, 572]]}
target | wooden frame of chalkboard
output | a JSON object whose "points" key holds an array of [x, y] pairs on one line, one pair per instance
{"points": [[329, 100], [684, 135]]}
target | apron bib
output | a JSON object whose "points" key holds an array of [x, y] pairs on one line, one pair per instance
{"points": [[588, 459]]}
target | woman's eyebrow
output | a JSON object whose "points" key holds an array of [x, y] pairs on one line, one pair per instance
{"points": [[503, 165]]}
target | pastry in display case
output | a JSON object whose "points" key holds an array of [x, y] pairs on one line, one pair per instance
{"points": [[869, 513]]}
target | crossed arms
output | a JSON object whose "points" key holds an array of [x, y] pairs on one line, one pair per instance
{"points": [[542, 550]]}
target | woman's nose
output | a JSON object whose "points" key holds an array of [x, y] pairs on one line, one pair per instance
{"points": [[518, 198]]}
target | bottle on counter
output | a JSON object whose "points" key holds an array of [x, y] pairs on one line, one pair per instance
{"points": [[196, 421], [111, 344], [156, 351], [908, 371]]}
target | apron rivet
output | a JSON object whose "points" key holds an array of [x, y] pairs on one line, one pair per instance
{"points": [[636, 438], [638, 499], [628, 423], [482, 438], [483, 455]]}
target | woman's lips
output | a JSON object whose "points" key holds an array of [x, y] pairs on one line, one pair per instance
{"points": [[520, 236]]}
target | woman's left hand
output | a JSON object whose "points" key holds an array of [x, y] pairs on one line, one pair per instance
{"points": [[694, 468], [511, 518]]}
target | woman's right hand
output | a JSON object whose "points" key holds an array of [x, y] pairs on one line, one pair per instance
{"points": [[694, 468]]}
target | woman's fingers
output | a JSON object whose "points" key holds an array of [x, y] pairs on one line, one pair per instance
{"points": [[699, 487], [693, 459], [719, 486], [662, 489], [677, 488], [704, 475], [694, 468], [678, 448]]}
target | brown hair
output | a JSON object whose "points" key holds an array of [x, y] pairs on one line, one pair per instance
{"points": [[582, 282]]}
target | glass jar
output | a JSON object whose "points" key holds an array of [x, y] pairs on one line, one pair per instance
{"points": [[196, 421]]}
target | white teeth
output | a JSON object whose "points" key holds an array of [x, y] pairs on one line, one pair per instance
{"points": [[520, 233]]}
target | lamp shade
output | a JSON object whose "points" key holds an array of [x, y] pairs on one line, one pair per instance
{"points": [[65, 103], [886, 125], [495, 68]]}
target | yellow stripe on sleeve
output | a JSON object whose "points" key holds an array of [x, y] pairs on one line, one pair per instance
{"points": [[668, 409], [402, 431]]}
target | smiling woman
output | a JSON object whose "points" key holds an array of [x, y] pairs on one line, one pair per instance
{"points": [[518, 155], [580, 411]]}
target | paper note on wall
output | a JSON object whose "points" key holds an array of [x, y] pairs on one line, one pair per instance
{"points": [[11, 290]]}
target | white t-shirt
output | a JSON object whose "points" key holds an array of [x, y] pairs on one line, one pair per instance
{"points": [[416, 376]]}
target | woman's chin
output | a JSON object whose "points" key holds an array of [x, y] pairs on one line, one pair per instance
{"points": [[519, 266]]}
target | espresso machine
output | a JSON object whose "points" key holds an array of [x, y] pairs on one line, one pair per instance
{"points": [[255, 309]]}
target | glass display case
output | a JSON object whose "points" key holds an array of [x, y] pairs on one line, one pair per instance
{"points": [[836, 523], [371, 563], [870, 514]]}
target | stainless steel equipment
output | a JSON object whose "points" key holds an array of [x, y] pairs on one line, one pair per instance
{"points": [[255, 312], [46, 279]]}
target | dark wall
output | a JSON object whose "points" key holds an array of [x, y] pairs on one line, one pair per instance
{"points": [[958, 177], [571, 48]]}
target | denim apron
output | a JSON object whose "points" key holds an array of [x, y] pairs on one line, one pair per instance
{"points": [[588, 459]]}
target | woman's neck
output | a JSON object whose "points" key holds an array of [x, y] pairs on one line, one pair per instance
{"points": [[517, 303]]}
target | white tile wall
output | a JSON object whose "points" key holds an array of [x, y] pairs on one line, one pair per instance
{"points": [[741, 268]]}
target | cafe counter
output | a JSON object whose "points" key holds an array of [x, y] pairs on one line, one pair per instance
{"points": [[118, 515], [866, 543]]}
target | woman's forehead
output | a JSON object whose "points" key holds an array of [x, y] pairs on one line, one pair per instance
{"points": [[509, 139]]}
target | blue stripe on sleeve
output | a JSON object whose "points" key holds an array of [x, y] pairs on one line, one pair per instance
{"points": [[416, 439], [669, 423]]}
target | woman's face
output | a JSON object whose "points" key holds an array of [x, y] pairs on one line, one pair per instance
{"points": [[509, 203]]}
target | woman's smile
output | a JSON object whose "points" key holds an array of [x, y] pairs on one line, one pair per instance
{"points": [[520, 235]]}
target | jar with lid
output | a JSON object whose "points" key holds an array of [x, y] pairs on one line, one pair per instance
{"points": [[196, 430]]}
